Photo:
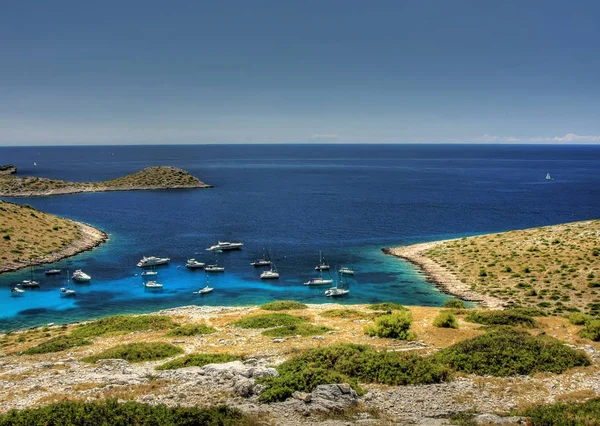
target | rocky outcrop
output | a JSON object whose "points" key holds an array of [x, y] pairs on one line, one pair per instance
{"points": [[8, 169]]}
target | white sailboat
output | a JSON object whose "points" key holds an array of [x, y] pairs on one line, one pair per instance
{"points": [[30, 283], [149, 273], [339, 290], [263, 261], [66, 291], [215, 266], [548, 177], [346, 270], [206, 289], [319, 280], [270, 274], [322, 266], [16, 291]]}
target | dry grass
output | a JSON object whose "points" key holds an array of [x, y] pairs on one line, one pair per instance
{"points": [[27, 234], [554, 268]]}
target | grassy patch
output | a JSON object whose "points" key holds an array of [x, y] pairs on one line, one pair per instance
{"points": [[111, 412], [191, 330], [57, 344], [591, 331], [587, 413], [454, 304], [197, 360], [350, 363], [296, 330], [268, 321], [137, 352], [387, 306], [348, 313], [506, 317], [120, 324], [579, 318], [445, 319], [507, 351], [283, 305], [393, 326]]}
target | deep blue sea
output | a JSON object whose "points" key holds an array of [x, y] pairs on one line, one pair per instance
{"points": [[347, 200]]}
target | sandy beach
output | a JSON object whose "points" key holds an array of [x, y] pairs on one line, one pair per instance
{"points": [[440, 276]]}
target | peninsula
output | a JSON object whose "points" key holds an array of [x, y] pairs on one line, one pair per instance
{"points": [[552, 268], [161, 177], [31, 237]]}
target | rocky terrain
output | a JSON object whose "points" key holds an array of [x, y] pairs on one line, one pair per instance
{"points": [[32, 380], [8, 169], [163, 177]]}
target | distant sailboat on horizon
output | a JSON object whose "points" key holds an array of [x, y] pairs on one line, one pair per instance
{"points": [[548, 177]]}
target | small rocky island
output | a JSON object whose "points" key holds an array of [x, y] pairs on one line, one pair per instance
{"points": [[162, 177], [8, 169]]}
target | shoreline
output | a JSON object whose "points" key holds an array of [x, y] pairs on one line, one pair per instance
{"points": [[79, 190], [440, 276], [90, 238]]}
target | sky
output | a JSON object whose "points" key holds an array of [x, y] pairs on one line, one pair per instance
{"points": [[310, 71]]}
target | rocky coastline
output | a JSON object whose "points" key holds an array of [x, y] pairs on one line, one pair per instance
{"points": [[440, 276]]}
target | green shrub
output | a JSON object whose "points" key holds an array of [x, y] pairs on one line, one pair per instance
{"points": [[507, 351], [445, 319], [387, 306], [283, 305], [110, 412], [579, 318], [268, 321], [454, 304], [296, 330], [120, 324], [191, 330], [350, 363], [197, 360], [591, 331], [506, 317], [137, 352], [394, 326], [348, 313], [559, 414], [57, 344]]}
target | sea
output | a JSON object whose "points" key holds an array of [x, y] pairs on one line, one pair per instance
{"points": [[293, 201]]}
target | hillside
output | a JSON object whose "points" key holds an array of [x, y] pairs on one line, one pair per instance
{"points": [[29, 236], [554, 268], [162, 177]]}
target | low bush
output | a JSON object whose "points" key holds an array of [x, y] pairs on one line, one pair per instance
{"points": [[507, 351], [191, 330], [559, 414], [506, 317], [283, 305], [591, 331], [197, 360], [268, 321], [296, 330], [579, 318], [137, 352], [57, 344], [394, 326], [350, 363], [445, 319], [454, 304], [387, 306], [348, 313], [112, 413], [120, 324]]}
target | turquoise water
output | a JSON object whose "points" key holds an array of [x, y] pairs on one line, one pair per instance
{"points": [[349, 201]]}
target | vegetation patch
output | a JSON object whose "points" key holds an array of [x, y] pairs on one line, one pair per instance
{"points": [[507, 351], [137, 352], [591, 331], [579, 318], [191, 330], [283, 305], [348, 313], [197, 360], [454, 304], [393, 326], [350, 363], [445, 319], [506, 317], [120, 324], [302, 329], [57, 344], [586, 413], [75, 413], [268, 321], [387, 306]]}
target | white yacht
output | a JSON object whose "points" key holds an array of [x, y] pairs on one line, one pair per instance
{"points": [[193, 264], [269, 274], [16, 291], [29, 284], [261, 262], [52, 271], [81, 276], [214, 268], [225, 245], [322, 266], [318, 281], [153, 285], [345, 270], [153, 261], [149, 273]]}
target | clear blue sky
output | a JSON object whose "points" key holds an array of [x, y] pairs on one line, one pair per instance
{"points": [[79, 72]]}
